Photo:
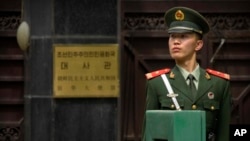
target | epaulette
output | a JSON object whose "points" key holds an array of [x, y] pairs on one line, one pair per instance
{"points": [[157, 73], [219, 74]]}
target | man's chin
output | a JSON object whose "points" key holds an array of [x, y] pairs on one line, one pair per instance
{"points": [[175, 57]]}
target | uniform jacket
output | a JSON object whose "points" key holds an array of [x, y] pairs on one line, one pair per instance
{"points": [[212, 96]]}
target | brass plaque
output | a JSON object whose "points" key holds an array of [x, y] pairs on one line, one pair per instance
{"points": [[86, 70]]}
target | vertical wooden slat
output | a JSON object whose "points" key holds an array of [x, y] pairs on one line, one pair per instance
{"points": [[11, 73]]}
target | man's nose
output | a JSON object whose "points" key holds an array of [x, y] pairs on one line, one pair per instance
{"points": [[176, 40]]}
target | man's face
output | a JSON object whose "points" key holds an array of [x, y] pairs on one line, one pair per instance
{"points": [[182, 46]]}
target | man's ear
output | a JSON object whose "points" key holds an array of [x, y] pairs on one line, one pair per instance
{"points": [[199, 45]]}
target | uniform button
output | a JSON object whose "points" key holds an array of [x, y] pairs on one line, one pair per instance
{"points": [[172, 106], [212, 107], [194, 107]]}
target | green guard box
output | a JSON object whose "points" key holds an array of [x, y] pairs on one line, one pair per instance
{"points": [[169, 125]]}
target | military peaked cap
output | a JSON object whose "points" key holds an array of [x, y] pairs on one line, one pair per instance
{"points": [[183, 19]]}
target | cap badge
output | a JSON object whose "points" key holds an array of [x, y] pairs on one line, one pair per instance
{"points": [[179, 15], [210, 95]]}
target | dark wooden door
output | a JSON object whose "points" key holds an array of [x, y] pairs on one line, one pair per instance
{"points": [[144, 48], [11, 73]]}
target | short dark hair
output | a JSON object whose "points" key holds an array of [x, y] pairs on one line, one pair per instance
{"points": [[199, 36]]}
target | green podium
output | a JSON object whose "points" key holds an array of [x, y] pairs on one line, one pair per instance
{"points": [[169, 125]]}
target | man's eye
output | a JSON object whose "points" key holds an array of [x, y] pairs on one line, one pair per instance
{"points": [[183, 36]]}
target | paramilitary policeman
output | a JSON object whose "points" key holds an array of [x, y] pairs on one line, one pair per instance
{"points": [[197, 88]]}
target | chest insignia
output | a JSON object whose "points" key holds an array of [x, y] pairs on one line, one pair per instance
{"points": [[210, 95]]}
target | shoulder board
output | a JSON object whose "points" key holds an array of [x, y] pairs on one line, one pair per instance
{"points": [[219, 74], [157, 73]]}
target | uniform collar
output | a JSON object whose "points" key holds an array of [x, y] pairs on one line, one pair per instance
{"points": [[195, 73]]}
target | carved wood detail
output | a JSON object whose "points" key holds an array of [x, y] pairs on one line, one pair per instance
{"points": [[153, 21]]}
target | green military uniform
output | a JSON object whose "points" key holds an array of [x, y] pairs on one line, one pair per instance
{"points": [[212, 96]]}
